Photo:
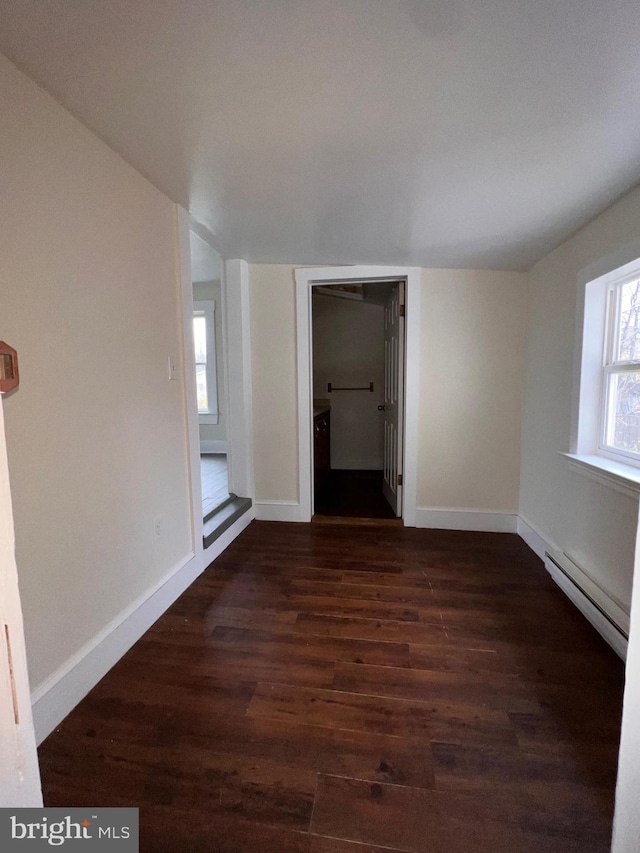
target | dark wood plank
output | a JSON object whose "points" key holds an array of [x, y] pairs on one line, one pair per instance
{"points": [[329, 605], [299, 668], [322, 844], [120, 730], [471, 724], [557, 809], [409, 596], [415, 820], [442, 658], [280, 644], [340, 710], [357, 627], [491, 690], [348, 689], [204, 831]]}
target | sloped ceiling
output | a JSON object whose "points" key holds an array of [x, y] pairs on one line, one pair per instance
{"points": [[446, 133]]}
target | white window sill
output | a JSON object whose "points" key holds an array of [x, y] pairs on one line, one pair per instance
{"points": [[623, 478], [207, 418]]}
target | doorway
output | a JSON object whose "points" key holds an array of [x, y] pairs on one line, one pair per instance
{"points": [[206, 279], [358, 381], [405, 403]]}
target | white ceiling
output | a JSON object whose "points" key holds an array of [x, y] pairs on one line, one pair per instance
{"points": [[448, 133]]}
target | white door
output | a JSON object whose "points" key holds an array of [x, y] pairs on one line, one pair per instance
{"points": [[393, 397], [19, 774]]}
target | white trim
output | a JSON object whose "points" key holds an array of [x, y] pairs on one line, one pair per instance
{"points": [[533, 538], [413, 298], [213, 445], [305, 279], [542, 547], [616, 475], [280, 511], [589, 349], [456, 518], [192, 425], [602, 625], [237, 340], [605, 601], [60, 693], [591, 309], [304, 346]]}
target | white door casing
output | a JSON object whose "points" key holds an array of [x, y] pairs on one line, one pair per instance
{"points": [[19, 773], [236, 375], [305, 279], [393, 397]]}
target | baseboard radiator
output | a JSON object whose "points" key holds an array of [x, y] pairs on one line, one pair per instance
{"points": [[607, 617]]}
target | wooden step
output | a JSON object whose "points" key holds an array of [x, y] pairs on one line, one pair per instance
{"points": [[223, 517]]}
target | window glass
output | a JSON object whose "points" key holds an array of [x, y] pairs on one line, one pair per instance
{"points": [[205, 358], [628, 322], [200, 339], [201, 387], [200, 347], [623, 412]]}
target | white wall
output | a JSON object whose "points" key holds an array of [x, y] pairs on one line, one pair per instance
{"points": [[203, 290], [348, 350], [592, 523], [472, 351], [472, 347], [89, 299], [273, 365]]}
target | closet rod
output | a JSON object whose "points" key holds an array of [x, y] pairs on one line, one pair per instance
{"points": [[330, 388]]}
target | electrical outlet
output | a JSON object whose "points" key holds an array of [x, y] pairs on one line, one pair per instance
{"points": [[157, 527]]}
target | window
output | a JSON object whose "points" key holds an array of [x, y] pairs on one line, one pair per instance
{"points": [[204, 341], [620, 417], [605, 417]]}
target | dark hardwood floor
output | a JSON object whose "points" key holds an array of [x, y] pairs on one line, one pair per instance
{"points": [[353, 494], [337, 689]]}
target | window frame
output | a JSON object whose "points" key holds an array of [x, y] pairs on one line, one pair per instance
{"points": [[585, 456], [613, 366], [207, 308]]}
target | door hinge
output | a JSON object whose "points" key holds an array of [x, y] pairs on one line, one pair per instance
{"points": [[402, 310], [399, 479]]}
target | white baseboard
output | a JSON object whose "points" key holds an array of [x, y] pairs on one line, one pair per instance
{"points": [[534, 539], [60, 693], [573, 587], [280, 511], [214, 445], [452, 518], [594, 615]]}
